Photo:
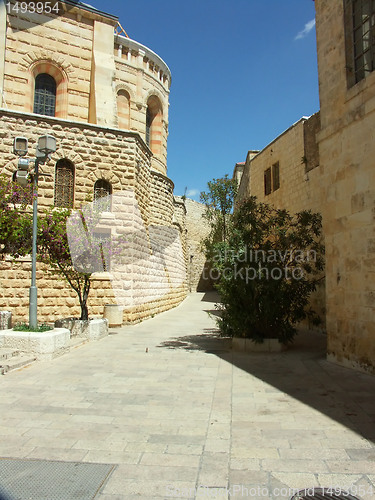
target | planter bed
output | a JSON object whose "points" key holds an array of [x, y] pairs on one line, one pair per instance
{"points": [[248, 345], [91, 329], [44, 345]]}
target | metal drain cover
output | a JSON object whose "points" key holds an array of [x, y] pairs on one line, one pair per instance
{"points": [[323, 494], [51, 480]]}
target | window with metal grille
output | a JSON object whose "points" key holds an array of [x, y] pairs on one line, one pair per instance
{"points": [[64, 184], [45, 95], [363, 37], [102, 193], [267, 182], [359, 19], [148, 126], [275, 176]]}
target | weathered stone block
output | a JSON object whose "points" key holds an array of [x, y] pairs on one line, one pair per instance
{"points": [[44, 345], [5, 320], [92, 329]]}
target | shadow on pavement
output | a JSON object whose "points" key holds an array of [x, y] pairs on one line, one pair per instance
{"points": [[211, 296], [210, 341], [342, 394]]}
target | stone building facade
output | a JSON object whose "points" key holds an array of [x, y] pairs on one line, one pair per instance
{"points": [[326, 163], [346, 61], [105, 99], [286, 172]]}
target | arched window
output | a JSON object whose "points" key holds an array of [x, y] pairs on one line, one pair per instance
{"points": [[154, 124], [123, 109], [148, 126], [64, 184], [45, 95], [102, 193]]}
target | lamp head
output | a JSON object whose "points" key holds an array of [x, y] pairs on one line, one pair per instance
{"points": [[20, 146], [47, 144]]}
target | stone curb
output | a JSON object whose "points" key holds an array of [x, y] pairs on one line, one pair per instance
{"points": [[248, 345]]}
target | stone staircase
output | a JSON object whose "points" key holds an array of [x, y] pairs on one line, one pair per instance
{"points": [[11, 359]]}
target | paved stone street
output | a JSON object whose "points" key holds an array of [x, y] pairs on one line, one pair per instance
{"points": [[182, 416]]}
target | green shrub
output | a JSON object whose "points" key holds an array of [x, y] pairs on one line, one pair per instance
{"points": [[24, 327], [269, 266]]}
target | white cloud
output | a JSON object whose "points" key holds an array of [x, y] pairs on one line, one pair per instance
{"points": [[306, 30], [192, 192]]}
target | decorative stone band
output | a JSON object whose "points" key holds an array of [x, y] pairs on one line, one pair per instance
{"points": [[127, 49]]}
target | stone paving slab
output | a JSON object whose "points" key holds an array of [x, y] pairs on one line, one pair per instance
{"points": [[182, 416]]}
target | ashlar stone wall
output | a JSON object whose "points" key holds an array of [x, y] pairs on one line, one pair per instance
{"points": [[97, 72], [298, 175], [106, 86], [151, 277], [347, 152], [197, 228]]}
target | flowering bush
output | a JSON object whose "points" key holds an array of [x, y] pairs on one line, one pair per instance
{"points": [[55, 244], [15, 218]]}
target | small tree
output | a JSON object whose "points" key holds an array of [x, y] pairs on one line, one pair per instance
{"points": [[269, 266], [72, 255], [219, 201]]}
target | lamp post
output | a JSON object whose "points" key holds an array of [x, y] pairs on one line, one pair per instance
{"points": [[45, 147]]}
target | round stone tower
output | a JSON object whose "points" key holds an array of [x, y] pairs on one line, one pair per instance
{"points": [[142, 92]]}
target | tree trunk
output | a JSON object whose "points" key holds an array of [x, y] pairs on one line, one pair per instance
{"points": [[84, 311], [83, 299]]}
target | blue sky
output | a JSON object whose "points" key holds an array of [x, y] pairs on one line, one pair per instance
{"points": [[243, 71]]}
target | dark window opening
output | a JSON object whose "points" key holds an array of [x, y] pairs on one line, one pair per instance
{"points": [[272, 179], [275, 176], [102, 193], [363, 37], [45, 95], [148, 126], [267, 182], [64, 184]]}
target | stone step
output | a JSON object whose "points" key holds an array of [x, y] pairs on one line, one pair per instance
{"points": [[16, 362], [7, 353], [77, 342]]}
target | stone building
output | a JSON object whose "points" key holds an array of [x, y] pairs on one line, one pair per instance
{"points": [[77, 76], [337, 178], [346, 62], [284, 173]]}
